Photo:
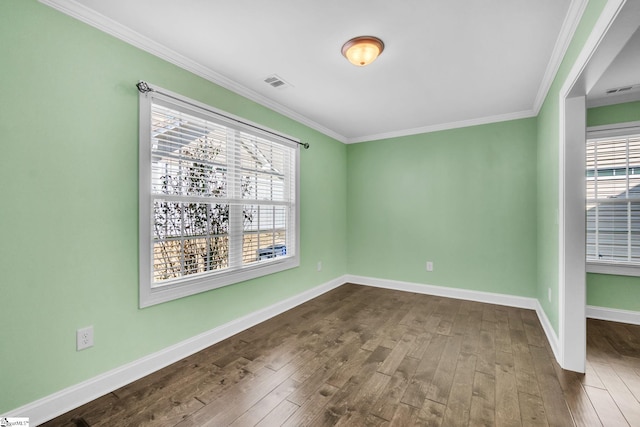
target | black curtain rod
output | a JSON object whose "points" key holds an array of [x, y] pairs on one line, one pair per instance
{"points": [[144, 87]]}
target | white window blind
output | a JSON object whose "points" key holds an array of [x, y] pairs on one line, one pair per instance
{"points": [[220, 199], [613, 196]]}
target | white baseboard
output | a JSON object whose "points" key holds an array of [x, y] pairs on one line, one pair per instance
{"points": [[552, 337], [69, 398], [613, 314], [465, 294]]}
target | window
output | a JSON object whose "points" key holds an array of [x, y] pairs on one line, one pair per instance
{"points": [[613, 199], [218, 199]]}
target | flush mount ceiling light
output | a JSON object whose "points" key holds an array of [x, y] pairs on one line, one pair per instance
{"points": [[362, 50]]}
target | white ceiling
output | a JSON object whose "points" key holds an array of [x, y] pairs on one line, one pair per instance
{"points": [[445, 64]]}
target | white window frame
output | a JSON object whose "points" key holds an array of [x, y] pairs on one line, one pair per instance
{"points": [[150, 293], [602, 132]]}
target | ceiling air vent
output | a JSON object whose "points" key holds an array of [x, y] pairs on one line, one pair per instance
{"points": [[275, 81], [621, 89]]}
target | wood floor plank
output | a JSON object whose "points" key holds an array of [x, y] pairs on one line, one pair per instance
{"points": [[526, 378], [515, 319], [267, 404], [404, 415], [489, 313], [503, 334], [580, 406], [486, 352], [439, 388], [458, 406], [312, 408], [229, 407], [398, 353], [342, 353], [385, 331], [421, 343], [279, 414], [351, 355], [471, 332], [389, 400], [447, 310], [591, 377], [416, 391], [532, 410], [507, 404], [431, 413], [606, 407], [352, 366], [618, 390], [420, 313], [344, 403], [364, 399], [630, 377], [227, 378], [550, 390], [483, 400], [533, 328]]}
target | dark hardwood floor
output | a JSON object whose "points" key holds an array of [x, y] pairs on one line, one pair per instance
{"points": [[362, 356]]}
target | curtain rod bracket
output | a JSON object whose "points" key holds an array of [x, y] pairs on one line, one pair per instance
{"points": [[143, 87]]}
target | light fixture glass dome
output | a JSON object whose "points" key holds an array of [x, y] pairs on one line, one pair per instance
{"points": [[361, 51]]}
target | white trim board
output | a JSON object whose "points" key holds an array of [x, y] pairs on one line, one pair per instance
{"points": [[613, 314], [457, 293], [77, 395], [551, 334]]}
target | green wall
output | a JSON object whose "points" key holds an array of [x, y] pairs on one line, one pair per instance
{"points": [[603, 290], [610, 114], [68, 216], [463, 199], [548, 167]]}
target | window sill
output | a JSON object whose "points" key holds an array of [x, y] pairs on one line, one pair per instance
{"points": [[616, 269], [155, 295]]}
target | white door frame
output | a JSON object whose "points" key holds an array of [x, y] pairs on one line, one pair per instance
{"points": [[571, 204]]}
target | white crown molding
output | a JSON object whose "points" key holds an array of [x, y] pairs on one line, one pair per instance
{"points": [[72, 397], [109, 26], [444, 126], [613, 314], [568, 29]]}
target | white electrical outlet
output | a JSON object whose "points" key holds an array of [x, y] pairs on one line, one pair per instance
{"points": [[549, 294], [84, 338], [319, 266], [429, 266]]}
